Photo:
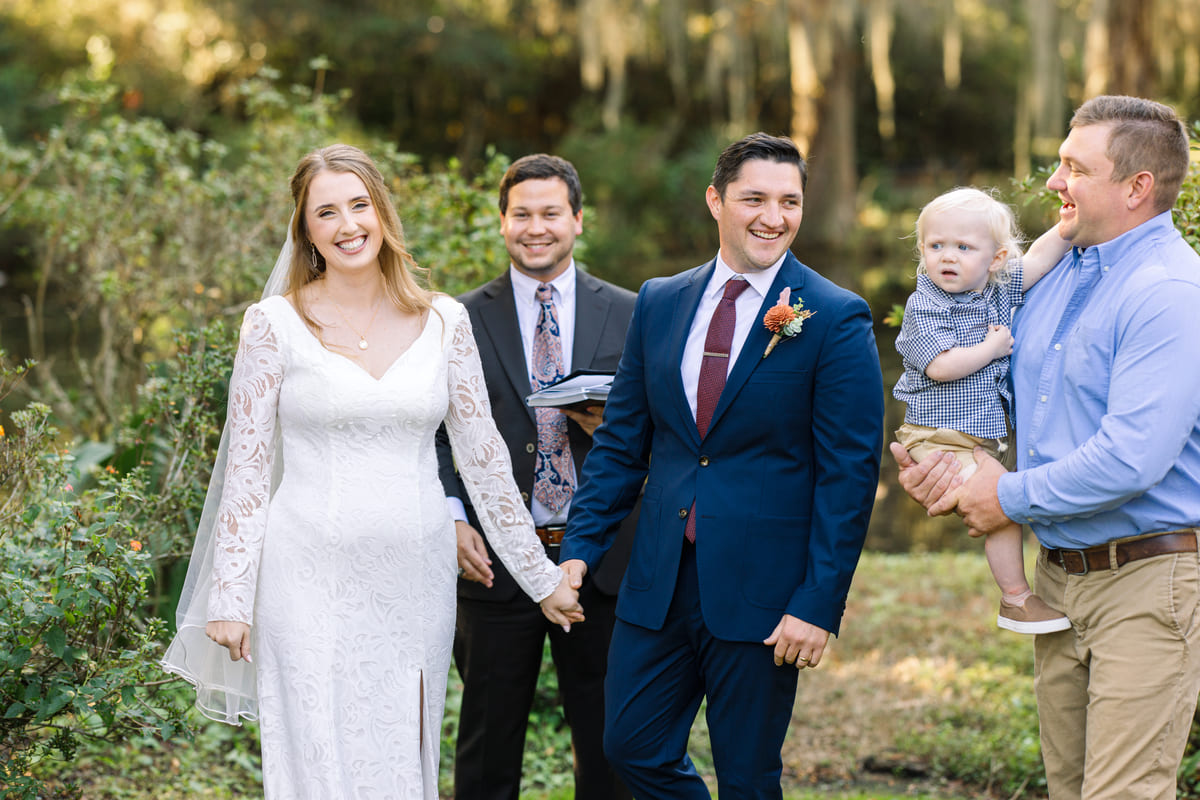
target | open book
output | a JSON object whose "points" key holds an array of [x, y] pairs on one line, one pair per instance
{"points": [[583, 387]]}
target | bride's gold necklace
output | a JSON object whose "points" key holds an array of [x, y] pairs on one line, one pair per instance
{"points": [[362, 339]]}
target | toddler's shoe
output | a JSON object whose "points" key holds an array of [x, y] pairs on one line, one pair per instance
{"points": [[1034, 616]]}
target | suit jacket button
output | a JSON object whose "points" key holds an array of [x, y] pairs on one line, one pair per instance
{"points": [[704, 461], [525, 497], [683, 513], [531, 448]]}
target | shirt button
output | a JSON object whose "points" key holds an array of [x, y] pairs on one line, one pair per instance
{"points": [[683, 513], [1043, 398], [530, 448], [704, 461], [1031, 451], [1058, 347]]}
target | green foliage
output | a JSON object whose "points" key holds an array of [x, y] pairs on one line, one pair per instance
{"points": [[628, 241], [87, 534], [77, 659], [985, 733], [1187, 209], [1186, 213], [134, 231], [452, 222], [547, 767]]}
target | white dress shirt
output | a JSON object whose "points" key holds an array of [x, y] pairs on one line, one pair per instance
{"points": [[747, 305]]}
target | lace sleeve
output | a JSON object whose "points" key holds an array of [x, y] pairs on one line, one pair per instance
{"points": [[484, 464], [242, 516]]}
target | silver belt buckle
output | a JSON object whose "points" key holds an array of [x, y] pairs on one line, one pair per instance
{"points": [[1062, 562]]}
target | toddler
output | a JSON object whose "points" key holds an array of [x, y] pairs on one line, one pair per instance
{"points": [[955, 341]]}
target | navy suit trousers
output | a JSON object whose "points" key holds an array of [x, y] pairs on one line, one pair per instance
{"points": [[652, 699]]}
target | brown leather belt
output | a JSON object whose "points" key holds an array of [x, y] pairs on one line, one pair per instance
{"points": [[1118, 553], [552, 535]]}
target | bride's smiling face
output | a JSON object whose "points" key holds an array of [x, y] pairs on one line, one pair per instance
{"points": [[342, 221]]}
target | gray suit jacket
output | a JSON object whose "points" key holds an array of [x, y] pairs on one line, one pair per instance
{"points": [[602, 314]]}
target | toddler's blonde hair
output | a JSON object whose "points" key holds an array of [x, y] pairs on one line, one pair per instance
{"points": [[1001, 223]]}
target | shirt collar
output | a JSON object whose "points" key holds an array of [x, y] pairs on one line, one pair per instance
{"points": [[931, 289], [525, 287], [1116, 252], [760, 280]]}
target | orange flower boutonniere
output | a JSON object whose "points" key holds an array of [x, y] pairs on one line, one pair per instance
{"points": [[784, 320]]}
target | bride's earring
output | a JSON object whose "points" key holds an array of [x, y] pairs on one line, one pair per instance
{"points": [[312, 257]]}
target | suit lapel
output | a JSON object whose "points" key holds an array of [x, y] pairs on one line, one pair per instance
{"points": [[790, 275], [498, 317], [591, 313], [686, 302]]}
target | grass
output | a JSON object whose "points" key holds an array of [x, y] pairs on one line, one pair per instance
{"points": [[921, 697]]}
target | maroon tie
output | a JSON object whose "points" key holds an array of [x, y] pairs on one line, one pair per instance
{"points": [[714, 368]]}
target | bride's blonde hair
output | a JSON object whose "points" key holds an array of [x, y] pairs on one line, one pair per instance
{"points": [[402, 277]]}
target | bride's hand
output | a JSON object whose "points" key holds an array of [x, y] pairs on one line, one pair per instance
{"points": [[562, 606], [233, 635]]}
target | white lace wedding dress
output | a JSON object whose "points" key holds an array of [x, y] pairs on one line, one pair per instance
{"points": [[347, 574]]}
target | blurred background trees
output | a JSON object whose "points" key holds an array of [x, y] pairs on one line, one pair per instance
{"points": [[145, 144], [145, 147]]}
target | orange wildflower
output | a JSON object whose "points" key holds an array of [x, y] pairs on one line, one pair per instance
{"points": [[778, 316]]}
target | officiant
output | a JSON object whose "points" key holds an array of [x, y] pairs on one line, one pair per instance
{"points": [[537, 322]]}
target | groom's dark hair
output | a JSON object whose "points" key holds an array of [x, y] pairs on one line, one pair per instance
{"points": [[756, 146], [542, 166]]}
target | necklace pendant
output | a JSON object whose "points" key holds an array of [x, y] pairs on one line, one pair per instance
{"points": [[362, 344]]}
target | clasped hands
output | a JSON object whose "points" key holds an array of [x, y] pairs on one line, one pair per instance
{"points": [[562, 605], [934, 483]]}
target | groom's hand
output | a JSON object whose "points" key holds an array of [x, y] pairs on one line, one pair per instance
{"points": [[575, 568], [797, 642], [562, 605]]}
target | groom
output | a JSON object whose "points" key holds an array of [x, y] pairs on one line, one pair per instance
{"points": [[759, 474]]}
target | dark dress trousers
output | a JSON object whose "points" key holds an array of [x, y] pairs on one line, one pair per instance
{"points": [[500, 632]]}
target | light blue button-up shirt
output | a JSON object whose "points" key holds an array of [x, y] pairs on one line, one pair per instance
{"points": [[1106, 376]]}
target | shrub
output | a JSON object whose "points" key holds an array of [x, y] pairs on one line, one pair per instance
{"points": [[133, 231], [77, 656]]}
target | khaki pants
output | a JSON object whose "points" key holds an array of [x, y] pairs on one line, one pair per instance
{"points": [[1116, 692], [920, 441]]}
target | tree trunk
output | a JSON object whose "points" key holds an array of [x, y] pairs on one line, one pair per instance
{"points": [[1041, 105], [806, 84], [1132, 63], [952, 44], [830, 202], [1095, 51], [880, 17]]}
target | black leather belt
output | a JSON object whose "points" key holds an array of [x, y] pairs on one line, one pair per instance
{"points": [[1116, 554]]}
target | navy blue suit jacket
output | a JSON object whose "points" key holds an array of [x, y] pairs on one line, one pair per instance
{"points": [[783, 482]]}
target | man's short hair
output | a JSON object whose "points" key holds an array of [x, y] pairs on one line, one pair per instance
{"points": [[756, 146], [541, 166], [1146, 137]]}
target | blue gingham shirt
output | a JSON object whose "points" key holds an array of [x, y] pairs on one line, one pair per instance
{"points": [[934, 322], [1106, 373]]}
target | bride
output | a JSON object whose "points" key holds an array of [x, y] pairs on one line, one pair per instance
{"points": [[320, 598]]}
